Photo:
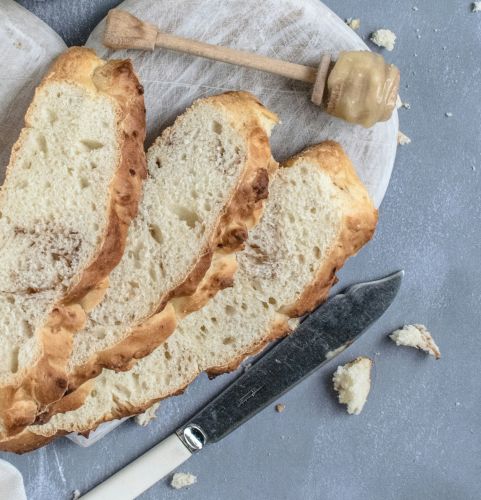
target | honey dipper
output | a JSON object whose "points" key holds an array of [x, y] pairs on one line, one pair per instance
{"points": [[360, 87]]}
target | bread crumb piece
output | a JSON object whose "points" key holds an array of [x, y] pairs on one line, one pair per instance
{"points": [[145, 418], [384, 38], [75, 494], [448, 114], [476, 7], [182, 480], [403, 139], [416, 336], [353, 383], [415, 8], [280, 408], [354, 24], [335, 352]]}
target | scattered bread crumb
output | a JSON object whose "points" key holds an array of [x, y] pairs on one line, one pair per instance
{"points": [[476, 7], [415, 8], [145, 418], [335, 352], [353, 383], [448, 114], [280, 408], [403, 139], [182, 480], [354, 24], [75, 494], [416, 336], [384, 38]]}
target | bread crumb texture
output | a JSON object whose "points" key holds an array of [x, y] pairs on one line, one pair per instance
{"points": [[403, 139], [182, 480], [352, 381], [280, 408], [416, 336], [354, 24], [384, 38], [145, 418]]}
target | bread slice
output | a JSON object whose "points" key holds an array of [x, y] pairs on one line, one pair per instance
{"points": [[71, 189], [207, 180], [317, 215]]}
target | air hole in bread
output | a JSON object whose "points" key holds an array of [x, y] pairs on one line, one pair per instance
{"points": [[228, 340], [152, 274], [187, 215], [158, 162], [84, 183], [214, 320], [317, 252], [10, 299], [93, 165], [52, 116], [243, 306], [123, 390], [272, 301], [183, 157], [216, 127], [301, 258], [207, 206], [229, 310], [93, 206], [293, 182], [14, 359], [27, 329], [203, 329], [48, 185], [100, 333], [313, 210], [291, 217], [156, 233], [93, 393], [265, 305], [91, 145], [194, 194], [167, 355]]}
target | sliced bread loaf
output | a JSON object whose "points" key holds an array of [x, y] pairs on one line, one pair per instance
{"points": [[71, 189], [317, 215], [207, 180]]}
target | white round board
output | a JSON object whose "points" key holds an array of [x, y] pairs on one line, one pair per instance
{"points": [[293, 30], [28, 48]]}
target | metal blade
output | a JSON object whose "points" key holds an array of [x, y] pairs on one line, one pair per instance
{"points": [[319, 338]]}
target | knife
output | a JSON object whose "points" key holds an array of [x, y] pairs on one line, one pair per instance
{"points": [[320, 337]]}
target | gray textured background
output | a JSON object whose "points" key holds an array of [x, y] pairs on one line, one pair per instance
{"points": [[419, 434]]}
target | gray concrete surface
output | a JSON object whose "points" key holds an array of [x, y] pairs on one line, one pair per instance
{"points": [[419, 434]]}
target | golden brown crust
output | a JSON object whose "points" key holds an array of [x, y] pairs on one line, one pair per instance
{"points": [[215, 268], [47, 380]]}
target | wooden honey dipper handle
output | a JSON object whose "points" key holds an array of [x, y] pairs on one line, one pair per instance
{"points": [[125, 31]]}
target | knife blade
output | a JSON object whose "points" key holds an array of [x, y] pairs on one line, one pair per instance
{"points": [[320, 337]]}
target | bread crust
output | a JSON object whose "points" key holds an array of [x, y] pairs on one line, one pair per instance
{"points": [[47, 380], [358, 228], [216, 265]]}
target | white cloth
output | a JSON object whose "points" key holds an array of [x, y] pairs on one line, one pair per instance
{"points": [[11, 482]]}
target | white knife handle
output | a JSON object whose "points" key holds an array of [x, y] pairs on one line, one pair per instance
{"points": [[129, 482]]}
